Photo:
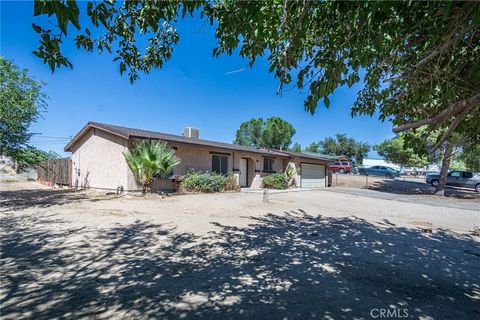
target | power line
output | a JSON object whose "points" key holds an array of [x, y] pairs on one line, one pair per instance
{"points": [[46, 136]]}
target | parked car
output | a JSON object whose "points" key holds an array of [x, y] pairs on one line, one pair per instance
{"points": [[386, 172], [465, 179], [340, 166]]}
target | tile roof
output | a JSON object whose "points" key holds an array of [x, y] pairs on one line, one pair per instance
{"points": [[132, 133]]}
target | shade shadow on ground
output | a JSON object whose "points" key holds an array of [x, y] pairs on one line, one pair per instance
{"points": [[44, 198], [399, 186], [294, 265]]}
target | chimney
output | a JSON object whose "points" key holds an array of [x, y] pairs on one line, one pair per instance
{"points": [[192, 133]]}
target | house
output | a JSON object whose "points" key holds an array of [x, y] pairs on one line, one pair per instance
{"points": [[98, 160]]}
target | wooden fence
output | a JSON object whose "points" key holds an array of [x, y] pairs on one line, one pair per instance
{"points": [[56, 171]]}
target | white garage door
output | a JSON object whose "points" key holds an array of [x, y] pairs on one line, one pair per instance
{"points": [[313, 176]]}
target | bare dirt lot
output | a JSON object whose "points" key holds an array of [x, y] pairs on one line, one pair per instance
{"points": [[402, 185], [316, 254]]}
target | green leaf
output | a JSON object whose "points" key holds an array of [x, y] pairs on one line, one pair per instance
{"points": [[37, 28], [326, 100]]}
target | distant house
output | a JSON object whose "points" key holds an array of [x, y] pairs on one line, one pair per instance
{"points": [[98, 161]]}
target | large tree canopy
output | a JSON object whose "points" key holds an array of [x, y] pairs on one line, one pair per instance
{"points": [[274, 133], [341, 145], [395, 150], [21, 101], [419, 60]]}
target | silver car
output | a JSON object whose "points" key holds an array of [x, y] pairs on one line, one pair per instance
{"points": [[464, 179]]}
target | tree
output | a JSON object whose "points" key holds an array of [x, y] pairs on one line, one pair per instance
{"points": [[395, 150], [250, 132], [29, 156], [418, 60], [296, 147], [471, 157], [341, 144], [21, 101], [313, 147], [150, 159], [274, 133], [277, 134]]}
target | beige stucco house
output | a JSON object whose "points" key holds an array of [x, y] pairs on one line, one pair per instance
{"points": [[98, 160]]}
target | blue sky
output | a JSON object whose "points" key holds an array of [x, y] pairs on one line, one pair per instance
{"points": [[193, 89]]}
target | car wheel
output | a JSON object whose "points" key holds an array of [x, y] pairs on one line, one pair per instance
{"points": [[477, 188], [434, 183], [388, 176], [341, 170]]}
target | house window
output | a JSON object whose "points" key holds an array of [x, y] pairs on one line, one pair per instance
{"points": [[268, 165], [220, 164]]}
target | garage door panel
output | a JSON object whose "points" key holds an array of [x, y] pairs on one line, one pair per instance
{"points": [[313, 176]]}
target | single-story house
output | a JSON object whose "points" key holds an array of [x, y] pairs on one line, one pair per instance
{"points": [[98, 160]]}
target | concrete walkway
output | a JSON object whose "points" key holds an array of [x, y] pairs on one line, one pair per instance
{"points": [[274, 191]]}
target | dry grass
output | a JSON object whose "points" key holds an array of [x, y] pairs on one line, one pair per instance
{"points": [[354, 181]]}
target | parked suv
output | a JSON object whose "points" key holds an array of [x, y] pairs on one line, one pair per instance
{"points": [[386, 172], [340, 166], [465, 179]]}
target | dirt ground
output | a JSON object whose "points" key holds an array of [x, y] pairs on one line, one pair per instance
{"points": [[316, 254], [401, 185]]}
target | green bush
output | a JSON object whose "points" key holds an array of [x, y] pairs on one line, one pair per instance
{"points": [[230, 183], [275, 181], [197, 181]]}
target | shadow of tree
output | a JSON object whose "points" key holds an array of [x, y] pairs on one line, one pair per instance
{"points": [[413, 187], [291, 265], [44, 198]]}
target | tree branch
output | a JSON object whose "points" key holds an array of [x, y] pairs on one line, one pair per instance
{"points": [[452, 127], [452, 110], [446, 45]]}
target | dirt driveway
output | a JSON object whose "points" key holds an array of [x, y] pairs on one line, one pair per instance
{"points": [[315, 254]]}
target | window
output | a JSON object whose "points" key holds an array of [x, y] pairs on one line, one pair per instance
{"points": [[220, 164], [455, 174], [268, 164], [345, 163], [467, 175]]}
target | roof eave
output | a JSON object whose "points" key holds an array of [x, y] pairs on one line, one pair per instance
{"points": [[81, 133]]}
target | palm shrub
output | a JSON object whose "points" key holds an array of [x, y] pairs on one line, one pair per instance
{"points": [[150, 159], [290, 173]]}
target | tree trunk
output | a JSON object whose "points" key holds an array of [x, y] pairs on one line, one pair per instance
{"points": [[447, 155]]}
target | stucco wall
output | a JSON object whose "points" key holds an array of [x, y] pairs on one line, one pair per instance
{"points": [[200, 158], [99, 158], [98, 162]]}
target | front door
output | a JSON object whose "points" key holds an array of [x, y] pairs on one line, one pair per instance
{"points": [[243, 172]]}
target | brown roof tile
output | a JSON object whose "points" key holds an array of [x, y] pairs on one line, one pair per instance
{"points": [[132, 133]]}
